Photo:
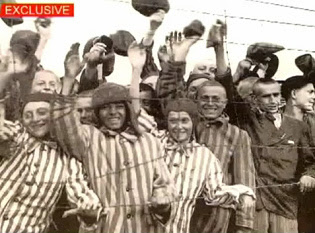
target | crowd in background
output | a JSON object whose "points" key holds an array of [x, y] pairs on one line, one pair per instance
{"points": [[223, 151]]}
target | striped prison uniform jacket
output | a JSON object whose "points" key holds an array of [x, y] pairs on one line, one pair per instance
{"points": [[232, 146], [124, 170], [31, 181], [195, 171]]}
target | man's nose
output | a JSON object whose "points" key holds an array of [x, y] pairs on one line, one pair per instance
{"points": [[112, 110], [47, 86], [35, 118]]}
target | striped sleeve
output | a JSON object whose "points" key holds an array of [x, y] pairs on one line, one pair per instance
{"points": [[163, 185], [244, 173], [7, 147], [214, 181], [77, 189], [68, 130], [77, 186]]}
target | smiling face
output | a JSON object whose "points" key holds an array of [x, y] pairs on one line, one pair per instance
{"points": [[36, 118], [211, 101], [267, 96], [45, 82], [113, 115], [180, 126], [305, 97]]}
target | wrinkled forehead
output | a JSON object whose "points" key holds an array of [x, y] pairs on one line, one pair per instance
{"points": [[212, 91], [266, 89], [33, 106], [178, 114], [46, 76]]}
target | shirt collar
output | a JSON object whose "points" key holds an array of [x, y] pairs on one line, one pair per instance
{"points": [[186, 150], [127, 134], [32, 143], [222, 120]]}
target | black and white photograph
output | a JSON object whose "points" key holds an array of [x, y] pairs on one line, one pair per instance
{"points": [[157, 116]]}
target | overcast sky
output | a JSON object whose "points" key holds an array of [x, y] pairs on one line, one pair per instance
{"points": [[97, 17]]}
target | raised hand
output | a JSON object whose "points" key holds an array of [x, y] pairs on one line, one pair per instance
{"points": [[156, 19], [72, 63], [137, 55], [180, 46], [96, 55], [43, 27], [216, 34]]}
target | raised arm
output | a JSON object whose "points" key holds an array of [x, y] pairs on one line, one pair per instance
{"points": [[72, 136], [137, 57], [43, 27], [73, 67]]}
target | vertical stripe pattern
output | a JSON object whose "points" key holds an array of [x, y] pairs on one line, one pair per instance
{"points": [[124, 174], [232, 146], [195, 171], [31, 181]]}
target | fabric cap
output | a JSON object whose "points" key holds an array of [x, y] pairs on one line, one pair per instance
{"points": [[24, 42], [306, 63], [38, 97], [194, 77], [148, 7], [182, 105], [109, 93], [293, 83], [121, 42], [195, 28]]}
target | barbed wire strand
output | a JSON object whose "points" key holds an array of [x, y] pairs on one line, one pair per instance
{"points": [[228, 16], [281, 5]]}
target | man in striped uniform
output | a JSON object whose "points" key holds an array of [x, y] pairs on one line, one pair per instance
{"points": [[194, 168], [232, 147], [34, 172], [126, 167]]}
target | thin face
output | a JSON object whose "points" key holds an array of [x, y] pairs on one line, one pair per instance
{"points": [[36, 118], [305, 97], [113, 115], [211, 101], [268, 97], [193, 86], [205, 67], [180, 126], [146, 100], [45, 82]]}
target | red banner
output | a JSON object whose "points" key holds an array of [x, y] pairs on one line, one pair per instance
{"points": [[17, 10]]}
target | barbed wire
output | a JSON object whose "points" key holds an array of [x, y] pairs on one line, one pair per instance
{"points": [[222, 15], [281, 5]]}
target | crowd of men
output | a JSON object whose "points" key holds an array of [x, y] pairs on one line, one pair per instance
{"points": [[222, 151]]}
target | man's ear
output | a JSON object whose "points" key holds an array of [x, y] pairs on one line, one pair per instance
{"points": [[293, 94]]}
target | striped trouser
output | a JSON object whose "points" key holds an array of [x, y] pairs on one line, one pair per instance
{"points": [[267, 222], [213, 220]]}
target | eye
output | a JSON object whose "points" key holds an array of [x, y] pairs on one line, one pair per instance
{"points": [[185, 120], [27, 116], [202, 68], [120, 106], [53, 84], [42, 111]]}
